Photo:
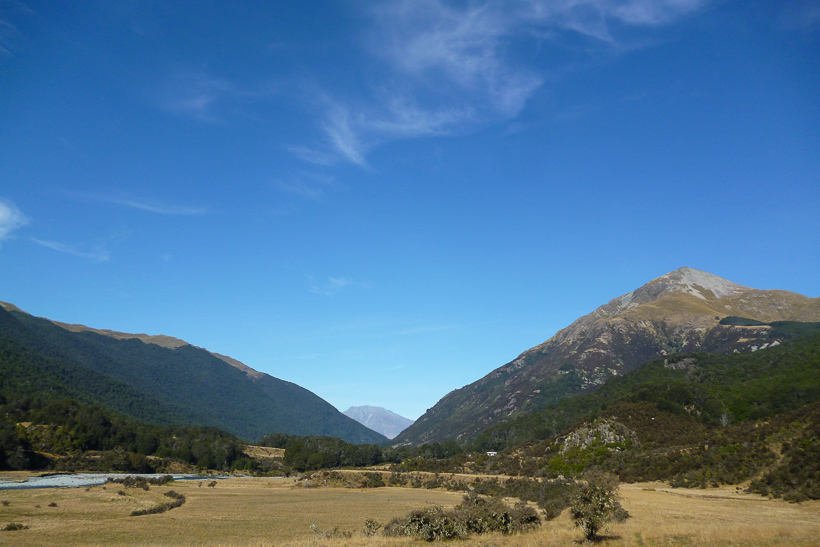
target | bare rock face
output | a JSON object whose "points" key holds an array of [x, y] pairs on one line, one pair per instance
{"points": [[600, 432], [676, 313]]}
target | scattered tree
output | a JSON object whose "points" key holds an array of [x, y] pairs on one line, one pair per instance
{"points": [[597, 503]]}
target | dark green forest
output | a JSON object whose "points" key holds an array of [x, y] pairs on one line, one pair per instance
{"points": [[308, 453], [40, 434], [186, 385], [713, 389]]}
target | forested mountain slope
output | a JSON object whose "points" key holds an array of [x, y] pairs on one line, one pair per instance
{"points": [[180, 384]]}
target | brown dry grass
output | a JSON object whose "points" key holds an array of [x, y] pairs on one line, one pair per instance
{"points": [[261, 452], [272, 512]]}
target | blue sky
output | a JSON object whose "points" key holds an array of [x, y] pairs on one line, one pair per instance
{"points": [[384, 201]]}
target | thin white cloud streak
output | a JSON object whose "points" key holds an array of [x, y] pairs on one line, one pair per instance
{"points": [[311, 155], [334, 285], [161, 209], [309, 186], [301, 189], [453, 68], [202, 96], [95, 254], [11, 219], [800, 15], [352, 133], [649, 13], [340, 130], [9, 32], [197, 95], [157, 208]]}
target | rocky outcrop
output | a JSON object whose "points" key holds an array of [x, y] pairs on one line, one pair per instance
{"points": [[601, 432]]}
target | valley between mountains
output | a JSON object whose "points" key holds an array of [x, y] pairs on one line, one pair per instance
{"points": [[690, 379]]}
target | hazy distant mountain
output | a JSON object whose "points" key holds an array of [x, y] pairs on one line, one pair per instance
{"points": [[678, 312], [379, 419], [160, 379]]}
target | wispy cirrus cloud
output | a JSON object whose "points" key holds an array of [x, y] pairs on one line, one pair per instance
{"points": [[201, 95], [334, 285], [11, 218], [351, 133], [648, 12], [439, 67], [144, 205], [7, 34], [343, 131], [11, 13], [452, 67], [197, 95], [95, 253], [161, 209], [800, 15], [309, 186]]}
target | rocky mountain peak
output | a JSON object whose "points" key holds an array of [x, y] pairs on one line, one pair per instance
{"points": [[379, 419], [686, 280], [679, 312]]}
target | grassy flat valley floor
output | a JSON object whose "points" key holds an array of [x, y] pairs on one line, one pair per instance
{"points": [[261, 511]]}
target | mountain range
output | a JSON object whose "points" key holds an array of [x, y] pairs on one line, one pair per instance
{"points": [[379, 419], [160, 379], [686, 310], [164, 380]]}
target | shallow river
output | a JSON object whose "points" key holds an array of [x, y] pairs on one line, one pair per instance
{"points": [[84, 479]]}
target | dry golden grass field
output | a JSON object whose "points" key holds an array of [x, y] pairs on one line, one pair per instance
{"points": [[261, 511]]}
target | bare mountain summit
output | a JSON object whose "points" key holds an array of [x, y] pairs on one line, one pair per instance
{"points": [[379, 419], [678, 312]]}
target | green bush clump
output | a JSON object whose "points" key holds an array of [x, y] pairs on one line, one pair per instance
{"points": [[597, 503], [396, 479], [132, 481], [373, 480], [475, 515]]}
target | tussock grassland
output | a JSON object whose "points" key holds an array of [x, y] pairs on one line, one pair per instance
{"points": [[267, 512]]}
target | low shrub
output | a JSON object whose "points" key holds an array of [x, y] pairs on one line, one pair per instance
{"points": [[145, 483], [371, 527], [179, 499], [475, 515], [373, 480]]}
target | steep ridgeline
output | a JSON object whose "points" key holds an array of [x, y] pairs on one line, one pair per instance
{"points": [[678, 312], [379, 419], [160, 379]]}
